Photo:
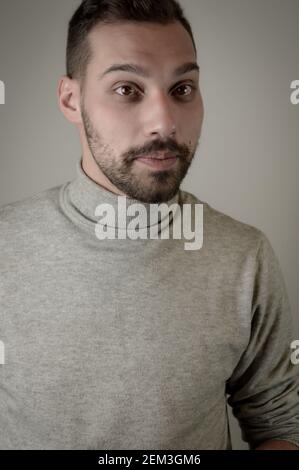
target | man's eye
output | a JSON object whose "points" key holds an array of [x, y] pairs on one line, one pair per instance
{"points": [[126, 87], [191, 88]]}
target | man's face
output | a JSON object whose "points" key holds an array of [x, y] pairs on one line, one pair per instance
{"points": [[126, 115]]}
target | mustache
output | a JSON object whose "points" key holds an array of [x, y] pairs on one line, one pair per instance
{"points": [[158, 147]]}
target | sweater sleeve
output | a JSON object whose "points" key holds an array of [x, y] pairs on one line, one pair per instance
{"points": [[263, 389]]}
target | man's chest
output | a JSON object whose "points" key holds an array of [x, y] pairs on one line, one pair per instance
{"points": [[93, 351]]}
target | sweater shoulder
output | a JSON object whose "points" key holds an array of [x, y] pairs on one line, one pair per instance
{"points": [[222, 227], [29, 213], [36, 201]]}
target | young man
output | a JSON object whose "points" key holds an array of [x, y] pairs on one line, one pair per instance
{"points": [[138, 343]]}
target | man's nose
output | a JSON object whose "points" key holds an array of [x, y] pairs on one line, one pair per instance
{"points": [[160, 117]]}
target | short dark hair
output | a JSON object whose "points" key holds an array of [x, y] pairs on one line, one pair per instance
{"points": [[92, 12]]}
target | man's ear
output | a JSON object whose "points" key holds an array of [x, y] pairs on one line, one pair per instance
{"points": [[68, 92]]}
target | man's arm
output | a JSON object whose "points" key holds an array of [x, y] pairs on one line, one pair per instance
{"points": [[264, 387], [277, 445]]}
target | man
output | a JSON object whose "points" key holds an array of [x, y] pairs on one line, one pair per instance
{"points": [[137, 343]]}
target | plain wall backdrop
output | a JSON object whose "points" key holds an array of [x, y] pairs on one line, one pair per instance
{"points": [[247, 161]]}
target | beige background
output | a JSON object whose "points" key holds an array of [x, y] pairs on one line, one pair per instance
{"points": [[247, 163]]}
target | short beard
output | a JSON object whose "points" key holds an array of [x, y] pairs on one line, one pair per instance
{"points": [[162, 185]]}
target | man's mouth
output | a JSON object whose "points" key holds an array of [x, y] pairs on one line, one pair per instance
{"points": [[158, 161], [159, 156]]}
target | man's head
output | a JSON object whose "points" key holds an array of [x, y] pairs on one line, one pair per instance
{"points": [[127, 112]]}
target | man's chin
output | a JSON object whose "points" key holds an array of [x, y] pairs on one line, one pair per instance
{"points": [[155, 197], [146, 188]]}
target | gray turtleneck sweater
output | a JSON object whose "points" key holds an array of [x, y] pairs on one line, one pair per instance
{"points": [[139, 344]]}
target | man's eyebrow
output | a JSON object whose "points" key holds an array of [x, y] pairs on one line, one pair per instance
{"points": [[138, 70]]}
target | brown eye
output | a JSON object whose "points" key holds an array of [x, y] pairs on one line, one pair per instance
{"points": [[185, 86], [127, 87]]}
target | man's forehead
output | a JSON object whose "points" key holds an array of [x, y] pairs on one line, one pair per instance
{"points": [[120, 50], [141, 40], [145, 72]]}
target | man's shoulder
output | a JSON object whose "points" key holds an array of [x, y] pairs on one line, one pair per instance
{"points": [[219, 226], [28, 212], [35, 201]]}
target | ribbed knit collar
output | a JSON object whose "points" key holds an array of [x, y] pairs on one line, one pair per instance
{"points": [[80, 197]]}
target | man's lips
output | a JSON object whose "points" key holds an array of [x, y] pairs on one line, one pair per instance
{"points": [[158, 156], [158, 162]]}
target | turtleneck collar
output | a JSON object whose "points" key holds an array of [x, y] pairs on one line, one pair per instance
{"points": [[80, 198]]}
